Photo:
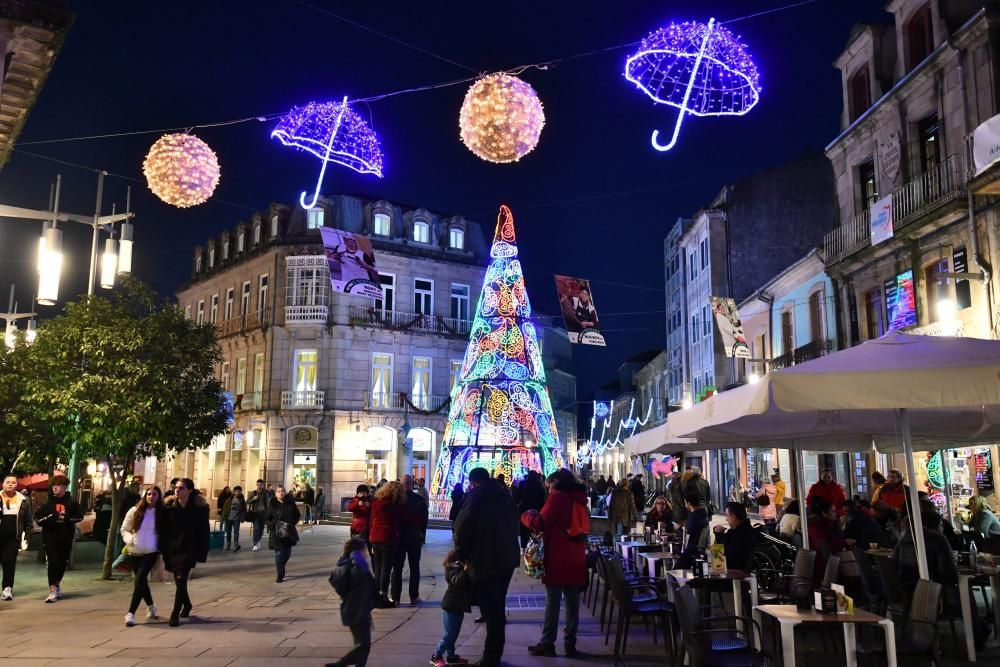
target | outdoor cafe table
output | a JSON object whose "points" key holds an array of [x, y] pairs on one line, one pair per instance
{"points": [[789, 615], [737, 577], [654, 557], [965, 599], [625, 548]]}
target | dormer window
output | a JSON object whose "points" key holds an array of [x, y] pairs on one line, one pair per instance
{"points": [[456, 239], [239, 242], [859, 90], [314, 218], [197, 264], [421, 232], [274, 225], [380, 224], [211, 257], [256, 234], [919, 36], [225, 249]]}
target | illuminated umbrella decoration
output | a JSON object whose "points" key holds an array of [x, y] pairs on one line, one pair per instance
{"points": [[700, 69], [334, 133]]}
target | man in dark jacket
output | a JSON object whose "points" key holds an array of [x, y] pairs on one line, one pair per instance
{"points": [[697, 522], [186, 542], [486, 539], [58, 518], [15, 525], [411, 540], [698, 485], [531, 496], [257, 505], [675, 491], [639, 493], [740, 540]]}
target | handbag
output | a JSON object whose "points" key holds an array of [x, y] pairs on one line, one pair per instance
{"points": [[286, 533], [534, 557]]}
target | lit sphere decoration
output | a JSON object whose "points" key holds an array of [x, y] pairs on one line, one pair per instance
{"points": [[501, 118], [181, 170], [700, 69]]}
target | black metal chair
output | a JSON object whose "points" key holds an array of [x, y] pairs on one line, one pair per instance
{"points": [[892, 589], [632, 601], [798, 585], [832, 568], [710, 646], [869, 586], [918, 639], [642, 595]]}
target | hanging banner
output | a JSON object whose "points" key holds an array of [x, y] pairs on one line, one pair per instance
{"points": [[727, 318], [881, 222], [352, 263], [576, 301], [986, 144]]}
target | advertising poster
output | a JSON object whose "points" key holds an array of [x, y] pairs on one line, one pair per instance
{"points": [[901, 301], [727, 318], [882, 220], [352, 263], [577, 303]]}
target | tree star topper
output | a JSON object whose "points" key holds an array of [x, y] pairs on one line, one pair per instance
{"points": [[700, 69]]}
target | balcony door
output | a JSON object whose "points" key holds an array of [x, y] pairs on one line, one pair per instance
{"points": [[381, 380], [387, 303], [306, 366], [420, 391], [423, 296]]}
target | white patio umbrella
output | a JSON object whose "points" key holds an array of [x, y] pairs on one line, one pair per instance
{"points": [[892, 393]]}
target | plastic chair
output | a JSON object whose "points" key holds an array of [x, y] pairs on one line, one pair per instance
{"points": [[710, 646], [918, 639], [799, 584]]}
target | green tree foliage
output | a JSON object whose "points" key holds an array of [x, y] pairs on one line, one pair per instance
{"points": [[27, 444], [126, 378]]}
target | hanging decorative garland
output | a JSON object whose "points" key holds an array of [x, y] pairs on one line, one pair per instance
{"points": [[501, 118], [181, 170]]}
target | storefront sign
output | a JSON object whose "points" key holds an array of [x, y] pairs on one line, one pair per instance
{"points": [[727, 319], [304, 459], [983, 462], [888, 157], [881, 220], [303, 437]]}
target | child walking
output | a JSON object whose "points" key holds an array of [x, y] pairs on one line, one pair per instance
{"points": [[457, 601], [355, 584]]}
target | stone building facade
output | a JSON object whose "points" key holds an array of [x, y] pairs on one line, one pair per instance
{"points": [[913, 90], [330, 389], [674, 279]]}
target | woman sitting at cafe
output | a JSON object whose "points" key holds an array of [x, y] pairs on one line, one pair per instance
{"points": [[985, 524], [663, 513]]}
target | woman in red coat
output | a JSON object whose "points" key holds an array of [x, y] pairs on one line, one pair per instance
{"points": [[565, 560], [360, 506], [387, 515]]}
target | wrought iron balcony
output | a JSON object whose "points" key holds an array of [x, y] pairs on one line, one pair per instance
{"points": [[312, 314], [813, 350], [302, 400], [255, 319], [394, 320], [399, 401], [941, 185]]}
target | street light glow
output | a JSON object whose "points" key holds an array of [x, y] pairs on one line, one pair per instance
{"points": [[109, 263], [49, 266], [753, 378], [946, 309], [125, 249]]}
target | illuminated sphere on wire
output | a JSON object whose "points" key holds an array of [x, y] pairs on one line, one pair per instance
{"points": [[181, 170], [501, 118]]}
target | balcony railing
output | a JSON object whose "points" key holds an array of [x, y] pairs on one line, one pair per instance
{"points": [[813, 350], [302, 400], [939, 186], [368, 316], [306, 314], [397, 401], [254, 319]]}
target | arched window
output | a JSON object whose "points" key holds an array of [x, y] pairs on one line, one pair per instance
{"points": [[421, 232], [380, 224]]}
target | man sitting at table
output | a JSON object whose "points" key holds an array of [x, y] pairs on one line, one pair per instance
{"points": [[740, 540], [697, 523]]}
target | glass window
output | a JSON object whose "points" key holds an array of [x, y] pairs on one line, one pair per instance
{"points": [[274, 225], [187, 312], [456, 239], [929, 130], [460, 302], [239, 242], [693, 263], [245, 299], [213, 312], [306, 362], [867, 189], [256, 234], [787, 334], [704, 253], [241, 376], [859, 88], [706, 316], [423, 296], [816, 332], [314, 218], [197, 263], [919, 36], [211, 257], [225, 376], [258, 378], [420, 390], [455, 374], [225, 249], [388, 301], [381, 379], [230, 297], [381, 224], [201, 312], [306, 286], [695, 328], [262, 292], [421, 232]]}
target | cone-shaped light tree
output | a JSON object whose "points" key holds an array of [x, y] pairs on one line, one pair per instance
{"points": [[501, 415]]}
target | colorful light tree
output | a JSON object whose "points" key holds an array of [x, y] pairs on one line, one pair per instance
{"points": [[501, 415]]}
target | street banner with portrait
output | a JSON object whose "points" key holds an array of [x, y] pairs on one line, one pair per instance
{"points": [[352, 263], [577, 303], [727, 318]]}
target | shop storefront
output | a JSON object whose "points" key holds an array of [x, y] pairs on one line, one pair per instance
{"points": [[950, 477], [422, 441], [301, 445], [380, 452]]}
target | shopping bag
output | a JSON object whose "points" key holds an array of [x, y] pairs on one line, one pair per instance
{"points": [[534, 558]]}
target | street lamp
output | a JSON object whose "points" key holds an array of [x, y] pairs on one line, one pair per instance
{"points": [[49, 266], [125, 249], [109, 264]]}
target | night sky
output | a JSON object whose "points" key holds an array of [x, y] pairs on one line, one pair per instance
{"points": [[593, 200]]}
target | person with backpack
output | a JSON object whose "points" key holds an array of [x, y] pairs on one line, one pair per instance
{"points": [[353, 581], [455, 604], [564, 523]]}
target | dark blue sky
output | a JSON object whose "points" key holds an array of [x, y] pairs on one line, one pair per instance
{"points": [[593, 199]]}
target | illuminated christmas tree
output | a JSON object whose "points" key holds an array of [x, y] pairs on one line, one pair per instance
{"points": [[501, 415]]}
